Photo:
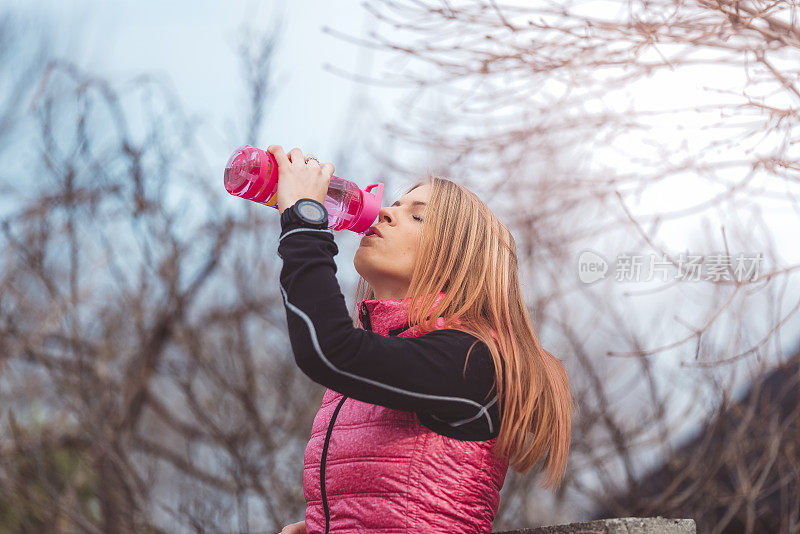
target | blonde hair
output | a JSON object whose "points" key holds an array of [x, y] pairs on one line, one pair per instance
{"points": [[466, 252]]}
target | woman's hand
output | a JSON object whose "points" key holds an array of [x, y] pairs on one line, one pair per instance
{"points": [[298, 179], [294, 528]]}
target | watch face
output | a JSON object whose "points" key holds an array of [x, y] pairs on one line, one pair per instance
{"points": [[311, 211]]}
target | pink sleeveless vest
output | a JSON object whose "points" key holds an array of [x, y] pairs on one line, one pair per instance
{"points": [[384, 472]]}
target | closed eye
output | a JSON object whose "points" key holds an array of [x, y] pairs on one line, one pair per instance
{"points": [[417, 218]]}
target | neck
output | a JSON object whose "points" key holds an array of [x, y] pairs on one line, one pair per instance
{"points": [[390, 292]]}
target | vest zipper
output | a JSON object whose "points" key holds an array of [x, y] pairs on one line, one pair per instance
{"points": [[368, 326], [322, 466], [365, 317], [365, 320]]}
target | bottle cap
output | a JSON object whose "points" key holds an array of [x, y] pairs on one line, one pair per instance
{"points": [[251, 173], [370, 205]]}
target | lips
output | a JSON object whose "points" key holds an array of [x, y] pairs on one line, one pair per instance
{"points": [[373, 231]]}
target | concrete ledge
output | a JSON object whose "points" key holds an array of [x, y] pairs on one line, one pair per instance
{"points": [[621, 525]]}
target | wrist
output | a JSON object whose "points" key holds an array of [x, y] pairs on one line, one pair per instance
{"points": [[287, 204], [305, 212]]}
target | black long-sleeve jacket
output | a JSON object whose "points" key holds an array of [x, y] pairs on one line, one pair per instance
{"points": [[423, 374]]}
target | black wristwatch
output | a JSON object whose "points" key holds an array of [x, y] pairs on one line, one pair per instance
{"points": [[305, 212]]}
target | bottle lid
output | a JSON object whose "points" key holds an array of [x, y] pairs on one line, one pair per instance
{"points": [[370, 205], [251, 173]]}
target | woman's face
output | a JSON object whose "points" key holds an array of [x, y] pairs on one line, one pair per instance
{"points": [[386, 260]]}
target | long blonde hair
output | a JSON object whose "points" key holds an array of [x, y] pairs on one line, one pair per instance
{"points": [[467, 253]]}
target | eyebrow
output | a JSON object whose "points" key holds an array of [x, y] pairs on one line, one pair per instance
{"points": [[415, 203]]}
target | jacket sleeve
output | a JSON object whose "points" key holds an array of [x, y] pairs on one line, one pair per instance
{"points": [[425, 374]]}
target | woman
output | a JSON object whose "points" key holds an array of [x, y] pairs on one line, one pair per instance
{"points": [[438, 384]]}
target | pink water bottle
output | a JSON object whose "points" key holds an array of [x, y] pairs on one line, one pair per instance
{"points": [[252, 173]]}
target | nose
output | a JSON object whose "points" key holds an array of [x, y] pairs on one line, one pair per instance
{"points": [[385, 214]]}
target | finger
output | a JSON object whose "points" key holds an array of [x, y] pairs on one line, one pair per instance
{"points": [[280, 155], [327, 169], [313, 162], [295, 155]]}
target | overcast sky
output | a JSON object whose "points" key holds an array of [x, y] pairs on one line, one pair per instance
{"points": [[194, 46]]}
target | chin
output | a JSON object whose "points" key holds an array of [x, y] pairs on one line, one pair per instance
{"points": [[366, 268]]}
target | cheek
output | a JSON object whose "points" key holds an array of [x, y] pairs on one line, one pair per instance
{"points": [[410, 250], [414, 244]]}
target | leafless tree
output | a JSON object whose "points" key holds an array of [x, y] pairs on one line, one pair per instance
{"points": [[147, 383], [532, 104]]}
